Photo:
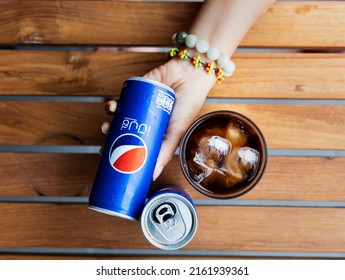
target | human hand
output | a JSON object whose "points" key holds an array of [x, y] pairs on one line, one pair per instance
{"points": [[191, 86]]}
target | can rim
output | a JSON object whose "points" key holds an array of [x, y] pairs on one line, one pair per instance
{"points": [[148, 234], [112, 213], [150, 81]]}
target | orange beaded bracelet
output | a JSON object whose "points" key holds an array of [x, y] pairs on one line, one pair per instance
{"points": [[197, 62], [182, 39]]}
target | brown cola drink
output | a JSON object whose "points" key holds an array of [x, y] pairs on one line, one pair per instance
{"points": [[223, 154]]}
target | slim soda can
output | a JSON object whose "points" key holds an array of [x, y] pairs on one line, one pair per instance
{"points": [[169, 220], [130, 153]]}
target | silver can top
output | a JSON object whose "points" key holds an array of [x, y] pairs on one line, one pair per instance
{"points": [[169, 221]]}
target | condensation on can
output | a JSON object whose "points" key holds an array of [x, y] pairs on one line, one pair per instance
{"points": [[169, 220], [130, 153]]}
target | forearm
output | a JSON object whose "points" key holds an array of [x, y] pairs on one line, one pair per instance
{"points": [[224, 23]]}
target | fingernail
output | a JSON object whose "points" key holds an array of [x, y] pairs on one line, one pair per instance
{"points": [[112, 107], [104, 128], [157, 172]]}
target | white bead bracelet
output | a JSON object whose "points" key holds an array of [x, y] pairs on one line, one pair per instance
{"points": [[202, 46]]}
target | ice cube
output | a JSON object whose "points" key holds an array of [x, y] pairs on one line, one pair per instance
{"points": [[202, 173], [236, 133], [242, 164], [211, 178], [212, 152]]}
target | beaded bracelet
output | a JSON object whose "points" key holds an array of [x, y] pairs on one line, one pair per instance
{"points": [[197, 62], [202, 46]]}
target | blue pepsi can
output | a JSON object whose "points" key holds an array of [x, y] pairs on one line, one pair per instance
{"points": [[130, 153]]}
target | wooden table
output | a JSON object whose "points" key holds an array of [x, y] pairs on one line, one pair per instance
{"points": [[290, 80]]}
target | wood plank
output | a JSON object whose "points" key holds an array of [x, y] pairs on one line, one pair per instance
{"points": [[92, 22], [35, 123], [315, 17], [71, 73], [52, 123], [304, 75], [57, 256], [286, 178], [220, 228], [47, 174], [295, 126], [296, 75]]}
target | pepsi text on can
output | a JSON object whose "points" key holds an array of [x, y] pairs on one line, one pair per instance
{"points": [[130, 153]]}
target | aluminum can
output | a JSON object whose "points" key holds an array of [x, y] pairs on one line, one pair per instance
{"points": [[130, 153], [169, 220]]}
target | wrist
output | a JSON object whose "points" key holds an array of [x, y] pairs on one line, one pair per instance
{"points": [[201, 54], [224, 23], [196, 80], [189, 71]]}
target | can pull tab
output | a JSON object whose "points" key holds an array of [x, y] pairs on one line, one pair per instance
{"points": [[169, 222]]}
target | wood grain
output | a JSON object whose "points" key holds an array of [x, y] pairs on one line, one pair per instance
{"points": [[220, 228], [68, 175], [88, 24], [304, 75], [133, 257], [285, 178], [32, 175], [295, 126], [73, 123], [52, 123], [71, 73], [94, 22]]}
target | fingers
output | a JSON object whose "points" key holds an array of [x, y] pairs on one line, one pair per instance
{"points": [[154, 75], [165, 155], [167, 150], [105, 127], [165, 74], [110, 107], [101, 149]]}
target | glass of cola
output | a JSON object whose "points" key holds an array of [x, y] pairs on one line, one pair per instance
{"points": [[223, 154]]}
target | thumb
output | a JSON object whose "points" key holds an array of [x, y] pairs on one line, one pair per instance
{"points": [[154, 75], [165, 73]]}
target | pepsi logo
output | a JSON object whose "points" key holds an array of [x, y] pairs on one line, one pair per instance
{"points": [[128, 153]]}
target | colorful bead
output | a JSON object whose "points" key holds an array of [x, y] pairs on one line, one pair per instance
{"points": [[196, 61], [229, 69], [209, 67], [173, 38], [213, 53], [219, 75], [181, 37], [202, 46], [223, 60], [183, 54], [173, 52], [191, 40]]}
